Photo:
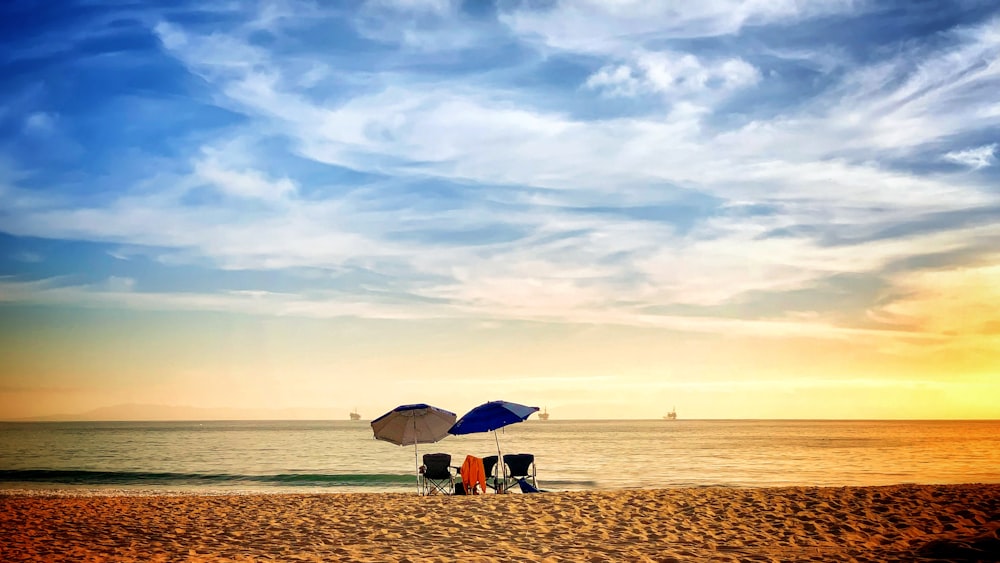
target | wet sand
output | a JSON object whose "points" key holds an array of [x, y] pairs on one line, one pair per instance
{"points": [[897, 523]]}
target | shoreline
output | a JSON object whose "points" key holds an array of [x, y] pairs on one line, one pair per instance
{"points": [[84, 491], [883, 523]]}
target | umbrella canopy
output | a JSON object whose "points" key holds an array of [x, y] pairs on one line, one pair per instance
{"points": [[413, 424], [490, 416]]}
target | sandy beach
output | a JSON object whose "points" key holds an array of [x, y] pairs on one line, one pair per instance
{"points": [[897, 523]]}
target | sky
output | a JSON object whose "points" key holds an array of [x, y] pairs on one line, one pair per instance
{"points": [[607, 208]]}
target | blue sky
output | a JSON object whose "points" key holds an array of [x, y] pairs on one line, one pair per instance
{"points": [[721, 172]]}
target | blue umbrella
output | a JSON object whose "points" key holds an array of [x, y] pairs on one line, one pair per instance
{"points": [[489, 417]]}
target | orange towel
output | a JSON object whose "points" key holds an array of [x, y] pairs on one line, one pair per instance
{"points": [[473, 473]]}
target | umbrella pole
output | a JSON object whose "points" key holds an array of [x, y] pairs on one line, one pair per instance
{"points": [[501, 465], [416, 464]]}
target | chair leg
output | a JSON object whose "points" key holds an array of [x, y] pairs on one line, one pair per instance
{"points": [[432, 486]]}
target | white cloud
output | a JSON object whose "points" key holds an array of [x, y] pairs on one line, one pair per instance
{"points": [[563, 263], [975, 158], [899, 104], [673, 75], [243, 183], [600, 26], [333, 305], [615, 80], [217, 56], [470, 134], [279, 234], [421, 26], [720, 269], [121, 254]]}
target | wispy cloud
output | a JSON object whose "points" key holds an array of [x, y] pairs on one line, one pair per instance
{"points": [[247, 184], [614, 161], [602, 26], [673, 75], [976, 158]]}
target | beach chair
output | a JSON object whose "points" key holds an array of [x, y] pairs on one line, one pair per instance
{"points": [[437, 476], [520, 468], [494, 480]]}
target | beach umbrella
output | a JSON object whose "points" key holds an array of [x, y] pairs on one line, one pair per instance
{"points": [[488, 417], [413, 424]]}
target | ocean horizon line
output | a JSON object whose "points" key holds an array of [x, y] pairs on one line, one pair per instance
{"points": [[60, 419]]}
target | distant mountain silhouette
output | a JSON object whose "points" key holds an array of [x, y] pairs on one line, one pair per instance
{"points": [[134, 411]]}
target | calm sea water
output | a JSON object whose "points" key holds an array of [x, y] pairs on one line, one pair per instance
{"points": [[342, 456]]}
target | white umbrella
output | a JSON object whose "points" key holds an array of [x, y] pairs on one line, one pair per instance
{"points": [[413, 424]]}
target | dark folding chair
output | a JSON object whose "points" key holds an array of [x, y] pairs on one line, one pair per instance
{"points": [[494, 480], [437, 476], [520, 466]]}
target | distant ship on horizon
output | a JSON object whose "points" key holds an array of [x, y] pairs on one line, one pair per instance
{"points": [[544, 415], [672, 415], [355, 415]]}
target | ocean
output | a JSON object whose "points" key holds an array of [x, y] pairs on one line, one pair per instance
{"points": [[342, 456]]}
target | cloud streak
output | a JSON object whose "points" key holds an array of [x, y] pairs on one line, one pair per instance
{"points": [[651, 173]]}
